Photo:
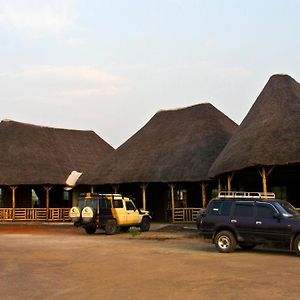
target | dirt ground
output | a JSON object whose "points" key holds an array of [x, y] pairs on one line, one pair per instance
{"points": [[172, 262]]}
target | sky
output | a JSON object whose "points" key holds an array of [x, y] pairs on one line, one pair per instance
{"points": [[110, 65]]}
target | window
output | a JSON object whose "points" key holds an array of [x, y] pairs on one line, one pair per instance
{"points": [[265, 211], [215, 208], [118, 203], [103, 203], [244, 210], [226, 208], [130, 206]]}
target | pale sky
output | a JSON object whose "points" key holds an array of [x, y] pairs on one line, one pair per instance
{"points": [[110, 65]]}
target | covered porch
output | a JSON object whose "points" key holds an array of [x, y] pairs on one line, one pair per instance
{"points": [[34, 203]]}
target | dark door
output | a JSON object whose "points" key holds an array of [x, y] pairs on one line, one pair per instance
{"points": [[267, 227], [243, 220]]}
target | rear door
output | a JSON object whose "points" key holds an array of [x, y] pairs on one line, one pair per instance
{"points": [[243, 220]]}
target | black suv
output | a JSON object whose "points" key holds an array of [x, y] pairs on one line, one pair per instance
{"points": [[249, 219]]}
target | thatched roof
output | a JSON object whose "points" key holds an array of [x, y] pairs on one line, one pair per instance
{"points": [[31, 154], [269, 134], [174, 146]]}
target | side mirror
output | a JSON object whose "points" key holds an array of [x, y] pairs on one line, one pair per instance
{"points": [[276, 215]]}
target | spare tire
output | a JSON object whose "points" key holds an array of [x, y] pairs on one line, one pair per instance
{"points": [[74, 214], [87, 214]]}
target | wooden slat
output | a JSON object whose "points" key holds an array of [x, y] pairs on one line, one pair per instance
{"points": [[34, 214], [185, 215]]}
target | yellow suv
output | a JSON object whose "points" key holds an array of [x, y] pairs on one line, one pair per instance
{"points": [[110, 212]]}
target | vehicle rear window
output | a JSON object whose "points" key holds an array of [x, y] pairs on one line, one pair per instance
{"points": [[118, 203], [215, 208], [220, 208], [105, 203], [244, 210]]}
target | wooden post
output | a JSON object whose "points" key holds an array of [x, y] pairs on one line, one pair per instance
{"points": [[172, 200], [115, 188], [264, 180], [264, 174], [143, 186], [229, 179], [219, 185], [203, 186], [13, 188], [47, 188]]}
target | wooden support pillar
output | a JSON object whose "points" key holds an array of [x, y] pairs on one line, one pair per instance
{"points": [[204, 201], [172, 186], [219, 185], [264, 174], [116, 188], [47, 189], [143, 186], [13, 200], [264, 180], [229, 180]]}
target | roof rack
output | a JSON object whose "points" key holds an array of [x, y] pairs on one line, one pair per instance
{"points": [[251, 195]]}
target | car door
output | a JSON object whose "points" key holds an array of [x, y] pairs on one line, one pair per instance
{"points": [[132, 214], [269, 228], [243, 220]]}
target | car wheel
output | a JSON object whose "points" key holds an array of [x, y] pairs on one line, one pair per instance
{"points": [[145, 224], [297, 245], [225, 242], [247, 246], [91, 229], [111, 227]]}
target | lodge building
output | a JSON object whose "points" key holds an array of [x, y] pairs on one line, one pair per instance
{"points": [[172, 166]]}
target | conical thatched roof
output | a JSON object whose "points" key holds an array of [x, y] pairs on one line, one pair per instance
{"points": [[269, 134], [174, 146], [31, 154]]}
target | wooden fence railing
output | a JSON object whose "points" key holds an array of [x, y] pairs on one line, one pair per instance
{"points": [[34, 214], [185, 215]]}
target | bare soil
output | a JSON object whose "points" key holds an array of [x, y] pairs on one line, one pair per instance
{"points": [[170, 262]]}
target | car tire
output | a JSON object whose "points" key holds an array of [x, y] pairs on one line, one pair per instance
{"points": [[297, 245], [247, 246], [111, 227], [90, 229], [225, 242], [145, 224]]}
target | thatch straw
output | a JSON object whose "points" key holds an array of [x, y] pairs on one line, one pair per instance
{"points": [[269, 134]]}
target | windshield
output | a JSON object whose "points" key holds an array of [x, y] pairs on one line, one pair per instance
{"points": [[83, 202], [287, 209]]}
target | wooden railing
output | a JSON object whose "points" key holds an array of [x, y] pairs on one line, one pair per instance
{"points": [[185, 215], [34, 214]]}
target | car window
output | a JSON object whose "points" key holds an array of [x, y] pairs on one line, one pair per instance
{"points": [[129, 205], [226, 208], [265, 211], [243, 210], [118, 203], [105, 203], [215, 208]]}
